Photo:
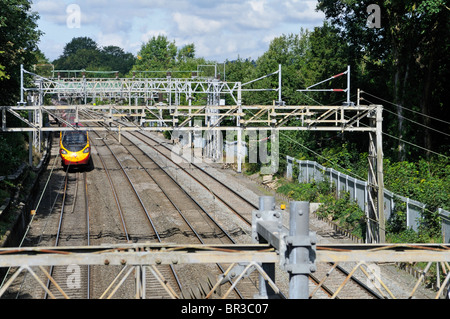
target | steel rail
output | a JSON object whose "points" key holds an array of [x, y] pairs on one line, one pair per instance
{"points": [[313, 278], [187, 194], [202, 183], [166, 195], [135, 191], [177, 208], [143, 207], [116, 198], [50, 273], [183, 190], [88, 215], [339, 268], [212, 219], [66, 179]]}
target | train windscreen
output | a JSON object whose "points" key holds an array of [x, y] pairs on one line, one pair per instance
{"points": [[74, 141]]}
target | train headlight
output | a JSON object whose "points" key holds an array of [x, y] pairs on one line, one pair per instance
{"points": [[86, 150], [63, 152]]}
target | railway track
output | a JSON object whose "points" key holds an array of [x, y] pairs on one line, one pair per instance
{"points": [[243, 208], [72, 230], [136, 225], [235, 201], [197, 226], [143, 202]]}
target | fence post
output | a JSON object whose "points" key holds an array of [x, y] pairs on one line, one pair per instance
{"points": [[445, 217], [289, 170]]}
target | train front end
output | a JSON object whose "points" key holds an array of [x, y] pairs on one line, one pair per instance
{"points": [[74, 148]]}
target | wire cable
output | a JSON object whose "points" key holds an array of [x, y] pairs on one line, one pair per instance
{"points": [[397, 138], [405, 108], [428, 127], [415, 122], [415, 145]]}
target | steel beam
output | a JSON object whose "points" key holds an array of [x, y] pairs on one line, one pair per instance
{"points": [[383, 253], [134, 254], [276, 116], [155, 254]]}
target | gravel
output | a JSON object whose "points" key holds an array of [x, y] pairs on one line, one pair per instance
{"points": [[398, 281]]}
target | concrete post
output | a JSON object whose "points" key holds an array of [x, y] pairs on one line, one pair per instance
{"points": [[289, 170]]}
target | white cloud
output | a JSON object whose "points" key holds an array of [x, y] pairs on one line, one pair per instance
{"points": [[54, 11], [219, 29], [110, 39], [193, 25], [257, 6], [302, 10], [152, 33]]}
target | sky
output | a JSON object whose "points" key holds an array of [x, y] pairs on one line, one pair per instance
{"points": [[220, 29]]}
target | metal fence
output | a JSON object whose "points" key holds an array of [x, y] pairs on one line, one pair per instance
{"points": [[358, 190], [445, 218]]}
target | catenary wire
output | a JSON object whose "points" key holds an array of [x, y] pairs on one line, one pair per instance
{"points": [[398, 138], [405, 108]]}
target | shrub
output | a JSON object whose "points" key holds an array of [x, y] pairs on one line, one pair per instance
{"points": [[13, 152], [343, 210]]}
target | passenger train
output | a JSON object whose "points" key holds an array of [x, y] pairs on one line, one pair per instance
{"points": [[74, 147]]}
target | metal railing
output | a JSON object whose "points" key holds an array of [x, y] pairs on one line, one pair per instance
{"points": [[312, 171]]}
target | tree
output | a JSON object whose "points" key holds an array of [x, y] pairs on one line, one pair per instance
{"points": [[434, 26], [83, 59], [80, 53], [81, 43], [83, 53], [306, 58], [239, 70], [19, 37], [406, 60], [288, 51], [324, 55], [3, 75], [157, 54], [186, 52], [115, 59]]}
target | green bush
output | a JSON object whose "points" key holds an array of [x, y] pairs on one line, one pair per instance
{"points": [[13, 152], [312, 192], [343, 210], [424, 181], [346, 213]]}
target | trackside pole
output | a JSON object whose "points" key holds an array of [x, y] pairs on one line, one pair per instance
{"points": [[299, 260], [296, 245]]}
